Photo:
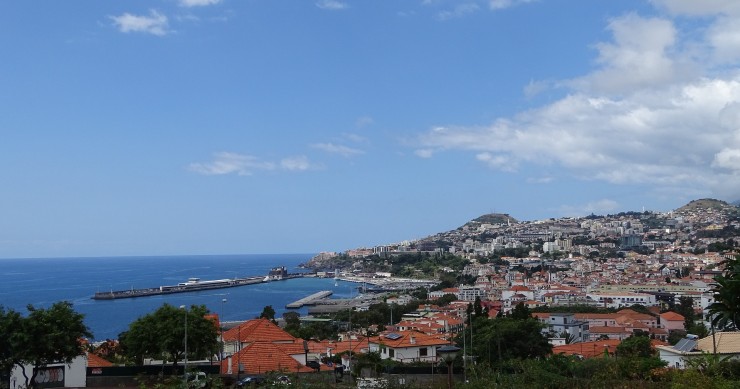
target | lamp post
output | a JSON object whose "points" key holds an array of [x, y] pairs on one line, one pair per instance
{"points": [[448, 354], [185, 368], [223, 343]]}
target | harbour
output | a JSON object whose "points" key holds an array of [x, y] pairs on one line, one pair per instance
{"points": [[195, 284]]}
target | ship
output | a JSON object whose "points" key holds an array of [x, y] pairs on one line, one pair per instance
{"points": [[277, 274]]}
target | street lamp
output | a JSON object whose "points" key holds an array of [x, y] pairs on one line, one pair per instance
{"points": [[185, 368], [223, 343], [448, 354]]}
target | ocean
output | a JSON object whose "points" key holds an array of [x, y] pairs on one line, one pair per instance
{"points": [[42, 282]]}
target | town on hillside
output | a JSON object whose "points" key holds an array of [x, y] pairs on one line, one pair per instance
{"points": [[635, 296]]}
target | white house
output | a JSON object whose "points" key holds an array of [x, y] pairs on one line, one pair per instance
{"points": [[566, 324], [406, 346], [726, 344]]}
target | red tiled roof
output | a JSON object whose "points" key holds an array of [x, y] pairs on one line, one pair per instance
{"points": [[588, 349], [96, 361], [258, 330], [608, 330], [260, 357], [672, 316], [408, 339]]}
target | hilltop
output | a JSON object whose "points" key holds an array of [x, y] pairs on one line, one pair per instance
{"points": [[703, 205], [490, 218]]}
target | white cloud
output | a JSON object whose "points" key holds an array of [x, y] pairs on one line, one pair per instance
{"points": [[297, 163], [424, 153], [699, 8], [224, 163], [364, 121], [503, 4], [458, 11], [639, 57], [342, 150], [645, 115], [724, 36], [198, 3], [357, 138], [231, 163], [535, 87], [728, 159], [155, 23], [540, 180], [332, 5], [497, 161]]}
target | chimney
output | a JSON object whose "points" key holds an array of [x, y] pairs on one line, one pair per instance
{"points": [[412, 340]]}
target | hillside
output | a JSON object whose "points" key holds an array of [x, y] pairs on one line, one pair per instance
{"points": [[491, 218], [704, 215], [702, 205]]}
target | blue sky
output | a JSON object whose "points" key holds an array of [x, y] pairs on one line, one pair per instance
{"points": [[224, 126]]}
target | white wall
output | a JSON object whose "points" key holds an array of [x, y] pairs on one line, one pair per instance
{"points": [[73, 375]]}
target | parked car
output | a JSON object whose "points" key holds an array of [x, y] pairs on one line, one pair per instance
{"points": [[252, 380], [282, 380], [197, 380]]}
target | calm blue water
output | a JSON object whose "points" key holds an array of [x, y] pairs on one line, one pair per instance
{"points": [[41, 282]]}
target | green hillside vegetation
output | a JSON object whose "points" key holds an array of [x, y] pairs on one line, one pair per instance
{"points": [[706, 204], [491, 218]]}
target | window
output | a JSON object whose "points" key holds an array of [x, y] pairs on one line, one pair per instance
{"points": [[423, 352], [391, 353]]}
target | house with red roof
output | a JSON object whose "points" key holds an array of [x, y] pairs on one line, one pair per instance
{"points": [[672, 321], [406, 346], [258, 346]]}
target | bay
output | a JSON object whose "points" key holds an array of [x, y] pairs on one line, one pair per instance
{"points": [[44, 281]]}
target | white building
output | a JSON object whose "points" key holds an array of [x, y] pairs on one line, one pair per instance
{"points": [[726, 344], [406, 346], [624, 299]]}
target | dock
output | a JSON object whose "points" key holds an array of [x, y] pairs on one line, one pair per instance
{"points": [[308, 300], [196, 284]]}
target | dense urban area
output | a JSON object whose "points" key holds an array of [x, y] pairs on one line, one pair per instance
{"points": [[635, 299]]}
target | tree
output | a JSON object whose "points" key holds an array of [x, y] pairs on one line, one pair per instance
{"points": [[477, 307], [725, 311], [268, 313], [10, 323], [507, 338], [446, 299], [292, 322], [162, 334], [521, 312], [685, 308], [636, 346], [45, 336]]}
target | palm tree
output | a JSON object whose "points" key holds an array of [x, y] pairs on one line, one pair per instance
{"points": [[725, 311]]}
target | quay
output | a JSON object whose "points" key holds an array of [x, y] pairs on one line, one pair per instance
{"points": [[308, 300], [196, 284]]}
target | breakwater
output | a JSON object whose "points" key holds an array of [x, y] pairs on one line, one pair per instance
{"points": [[308, 300], [192, 285]]}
